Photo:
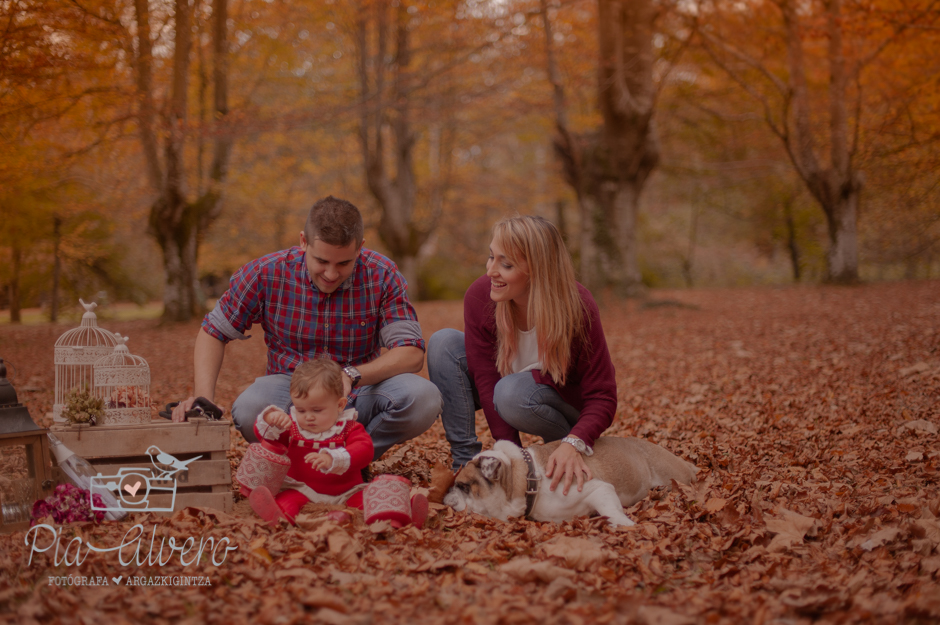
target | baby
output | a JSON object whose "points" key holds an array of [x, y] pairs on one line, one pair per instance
{"points": [[326, 446]]}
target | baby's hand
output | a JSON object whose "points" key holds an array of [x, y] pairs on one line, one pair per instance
{"points": [[319, 460], [277, 418]]}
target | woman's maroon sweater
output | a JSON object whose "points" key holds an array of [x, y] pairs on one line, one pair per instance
{"points": [[591, 386]]}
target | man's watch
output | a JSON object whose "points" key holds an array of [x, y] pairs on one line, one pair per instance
{"points": [[353, 374], [578, 444]]}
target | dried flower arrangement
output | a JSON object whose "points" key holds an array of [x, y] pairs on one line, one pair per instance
{"points": [[82, 407], [68, 504], [128, 397]]}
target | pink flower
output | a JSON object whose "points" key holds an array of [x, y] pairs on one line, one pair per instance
{"points": [[68, 504]]}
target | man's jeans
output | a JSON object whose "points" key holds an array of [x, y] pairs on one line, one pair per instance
{"points": [[521, 402], [394, 411]]}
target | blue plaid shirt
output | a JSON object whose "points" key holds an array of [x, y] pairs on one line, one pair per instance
{"points": [[370, 310]]}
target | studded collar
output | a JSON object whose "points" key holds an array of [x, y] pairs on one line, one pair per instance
{"points": [[531, 482]]}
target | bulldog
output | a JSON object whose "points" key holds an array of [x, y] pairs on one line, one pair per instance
{"points": [[509, 481]]}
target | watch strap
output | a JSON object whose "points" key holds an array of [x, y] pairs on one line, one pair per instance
{"points": [[353, 374], [578, 444]]}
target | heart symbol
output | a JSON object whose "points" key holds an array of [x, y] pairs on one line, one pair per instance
{"points": [[132, 489], [117, 580]]}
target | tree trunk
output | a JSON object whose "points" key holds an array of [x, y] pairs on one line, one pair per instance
{"points": [[627, 150], [688, 262], [842, 257], [177, 223], [394, 192], [15, 304], [626, 209], [792, 246], [588, 268], [56, 268], [836, 186]]}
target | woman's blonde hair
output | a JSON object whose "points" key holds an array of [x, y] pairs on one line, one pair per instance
{"points": [[555, 309]]}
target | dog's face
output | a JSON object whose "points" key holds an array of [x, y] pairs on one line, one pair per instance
{"points": [[484, 486]]}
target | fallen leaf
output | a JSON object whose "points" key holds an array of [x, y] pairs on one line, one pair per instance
{"points": [[524, 569], [655, 615], [715, 504], [442, 479], [919, 425], [813, 602], [299, 572], [928, 529], [322, 598], [333, 617], [930, 565], [578, 553], [915, 368], [880, 538], [561, 588], [344, 548], [437, 565], [790, 529]]}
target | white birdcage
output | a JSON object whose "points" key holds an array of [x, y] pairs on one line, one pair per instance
{"points": [[76, 352], [122, 380]]}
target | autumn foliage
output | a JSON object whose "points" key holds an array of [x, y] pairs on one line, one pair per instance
{"points": [[151, 148], [811, 413]]}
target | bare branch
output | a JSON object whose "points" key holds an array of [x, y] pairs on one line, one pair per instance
{"points": [[747, 59]]}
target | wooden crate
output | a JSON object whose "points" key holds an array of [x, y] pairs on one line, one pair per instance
{"points": [[206, 482]]}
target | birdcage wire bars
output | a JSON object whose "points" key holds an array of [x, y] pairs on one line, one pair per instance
{"points": [[122, 380], [76, 353]]}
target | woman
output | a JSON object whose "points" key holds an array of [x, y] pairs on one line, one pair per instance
{"points": [[534, 356]]}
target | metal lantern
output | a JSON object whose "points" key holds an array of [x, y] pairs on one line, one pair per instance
{"points": [[17, 429], [76, 352], [122, 380]]}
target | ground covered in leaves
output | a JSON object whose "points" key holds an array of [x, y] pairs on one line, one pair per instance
{"points": [[812, 413]]}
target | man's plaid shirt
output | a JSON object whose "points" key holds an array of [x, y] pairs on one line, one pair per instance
{"points": [[300, 322]]}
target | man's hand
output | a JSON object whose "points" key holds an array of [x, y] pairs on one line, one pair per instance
{"points": [[179, 412], [347, 385], [566, 462], [278, 418], [319, 460]]}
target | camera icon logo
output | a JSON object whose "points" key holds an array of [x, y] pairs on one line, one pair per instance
{"points": [[131, 489]]}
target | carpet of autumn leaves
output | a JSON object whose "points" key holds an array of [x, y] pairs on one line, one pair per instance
{"points": [[812, 413]]}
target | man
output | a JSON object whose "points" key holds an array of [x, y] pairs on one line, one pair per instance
{"points": [[328, 298]]}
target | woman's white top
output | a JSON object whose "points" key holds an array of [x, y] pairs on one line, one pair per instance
{"points": [[527, 352]]}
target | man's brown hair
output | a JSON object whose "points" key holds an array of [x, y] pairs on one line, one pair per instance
{"points": [[318, 373], [335, 222]]}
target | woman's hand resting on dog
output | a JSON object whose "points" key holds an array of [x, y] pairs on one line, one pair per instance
{"points": [[567, 463]]}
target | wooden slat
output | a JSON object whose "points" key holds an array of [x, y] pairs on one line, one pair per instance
{"points": [[198, 473], [216, 501], [122, 440], [114, 447]]}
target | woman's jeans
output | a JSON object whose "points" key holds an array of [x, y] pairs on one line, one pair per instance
{"points": [[393, 411], [521, 402]]}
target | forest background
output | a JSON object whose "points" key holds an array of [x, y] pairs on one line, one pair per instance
{"points": [[149, 148]]}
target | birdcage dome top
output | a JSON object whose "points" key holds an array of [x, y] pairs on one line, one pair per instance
{"points": [[88, 334], [121, 356]]}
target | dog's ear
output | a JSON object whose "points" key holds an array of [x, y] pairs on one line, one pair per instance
{"points": [[490, 468]]}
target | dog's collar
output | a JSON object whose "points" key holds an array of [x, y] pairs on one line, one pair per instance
{"points": [[531, 482]]}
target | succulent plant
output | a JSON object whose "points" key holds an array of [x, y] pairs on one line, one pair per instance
{"points": [[82, 407]]}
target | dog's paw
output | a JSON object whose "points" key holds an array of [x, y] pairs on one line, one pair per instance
{"points": [[624, 522]]}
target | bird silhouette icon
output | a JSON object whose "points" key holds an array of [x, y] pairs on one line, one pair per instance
{"points": [[164, 460]]}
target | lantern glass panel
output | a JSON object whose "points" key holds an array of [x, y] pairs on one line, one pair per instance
{"points": [[25, 476]]}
